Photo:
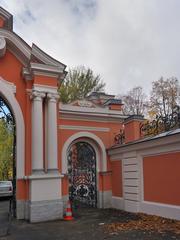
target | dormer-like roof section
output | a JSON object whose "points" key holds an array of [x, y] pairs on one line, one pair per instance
{"points": [[113, 101]]}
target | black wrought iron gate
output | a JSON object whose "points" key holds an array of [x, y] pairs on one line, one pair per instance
{"points": [[82, 174]]}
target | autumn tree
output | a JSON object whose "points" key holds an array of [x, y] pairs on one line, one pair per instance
{"points": [[6, 150], [135, 101], [164, 96], [79, 82]]}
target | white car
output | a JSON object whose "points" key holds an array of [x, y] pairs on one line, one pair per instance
{"points": [[6, 189]]}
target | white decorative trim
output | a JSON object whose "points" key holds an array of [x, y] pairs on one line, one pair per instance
{"points": [[7, 92], [13, 40], [130, 173], [141, 180], [153, 146], [170, 147], [41, 70], [85, 103], [66, 108], [52, 133], [118, 202], [88, 135], [9, 84], [37, 130], [104, 199], [131, 206], [44, 88], [84, 128], [164, 210], [43, 176], [45, 58], [90, 118], [45, 189], [2, 46], [49, 68]]}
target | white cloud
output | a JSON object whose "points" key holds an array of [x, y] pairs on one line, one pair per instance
{"points": [[129, 42]]}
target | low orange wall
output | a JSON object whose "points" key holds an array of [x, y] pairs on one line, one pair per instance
{"points": [[162, 178], [117, 179], [105, 183]]}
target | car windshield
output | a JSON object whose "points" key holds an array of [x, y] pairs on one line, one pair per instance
{"points": [[5, 183]]}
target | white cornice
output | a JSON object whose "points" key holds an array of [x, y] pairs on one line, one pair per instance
{"points": [[17, 45], [43, 88], [84, 128], [45, 58], [46, 68], [152, 143], [41, 70], [91, 119], [68, 109], [90, 114], [95, 114]]}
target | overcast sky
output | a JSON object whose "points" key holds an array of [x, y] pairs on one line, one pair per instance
{"points": [[128, 42]]}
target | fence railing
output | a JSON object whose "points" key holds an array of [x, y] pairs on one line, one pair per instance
{"points": [[120, 137], [161, 124], [151, 128]]}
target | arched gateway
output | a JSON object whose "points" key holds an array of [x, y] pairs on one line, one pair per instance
{"points": [[82, 174], [60, 149]]}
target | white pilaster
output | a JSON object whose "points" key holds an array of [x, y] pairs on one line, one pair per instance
{"points": [[52, 161], [37, 131]]}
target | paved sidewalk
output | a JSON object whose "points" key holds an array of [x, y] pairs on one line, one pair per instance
{"points": [[87, 225], [4, 209]]}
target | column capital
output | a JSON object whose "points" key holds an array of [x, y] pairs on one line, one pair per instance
{"points": [[52, 97], [36, 95]]}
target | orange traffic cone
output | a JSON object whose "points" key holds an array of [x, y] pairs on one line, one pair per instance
{"points": [[68, 215]]}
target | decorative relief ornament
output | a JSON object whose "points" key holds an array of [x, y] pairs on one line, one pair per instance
{"points": [[83, 103], [2, 46]]}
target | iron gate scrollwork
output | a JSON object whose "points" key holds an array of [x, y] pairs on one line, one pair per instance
{"points": [[82, 174], [161, 123]]}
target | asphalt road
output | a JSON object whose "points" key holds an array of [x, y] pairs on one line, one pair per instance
{"points": [[88, 224], [4, 208]]}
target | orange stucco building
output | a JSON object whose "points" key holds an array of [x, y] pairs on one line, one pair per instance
{"points": [[70, 150]]}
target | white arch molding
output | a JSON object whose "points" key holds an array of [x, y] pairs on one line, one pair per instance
{"points": [[91, 138], [7, 91]]}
